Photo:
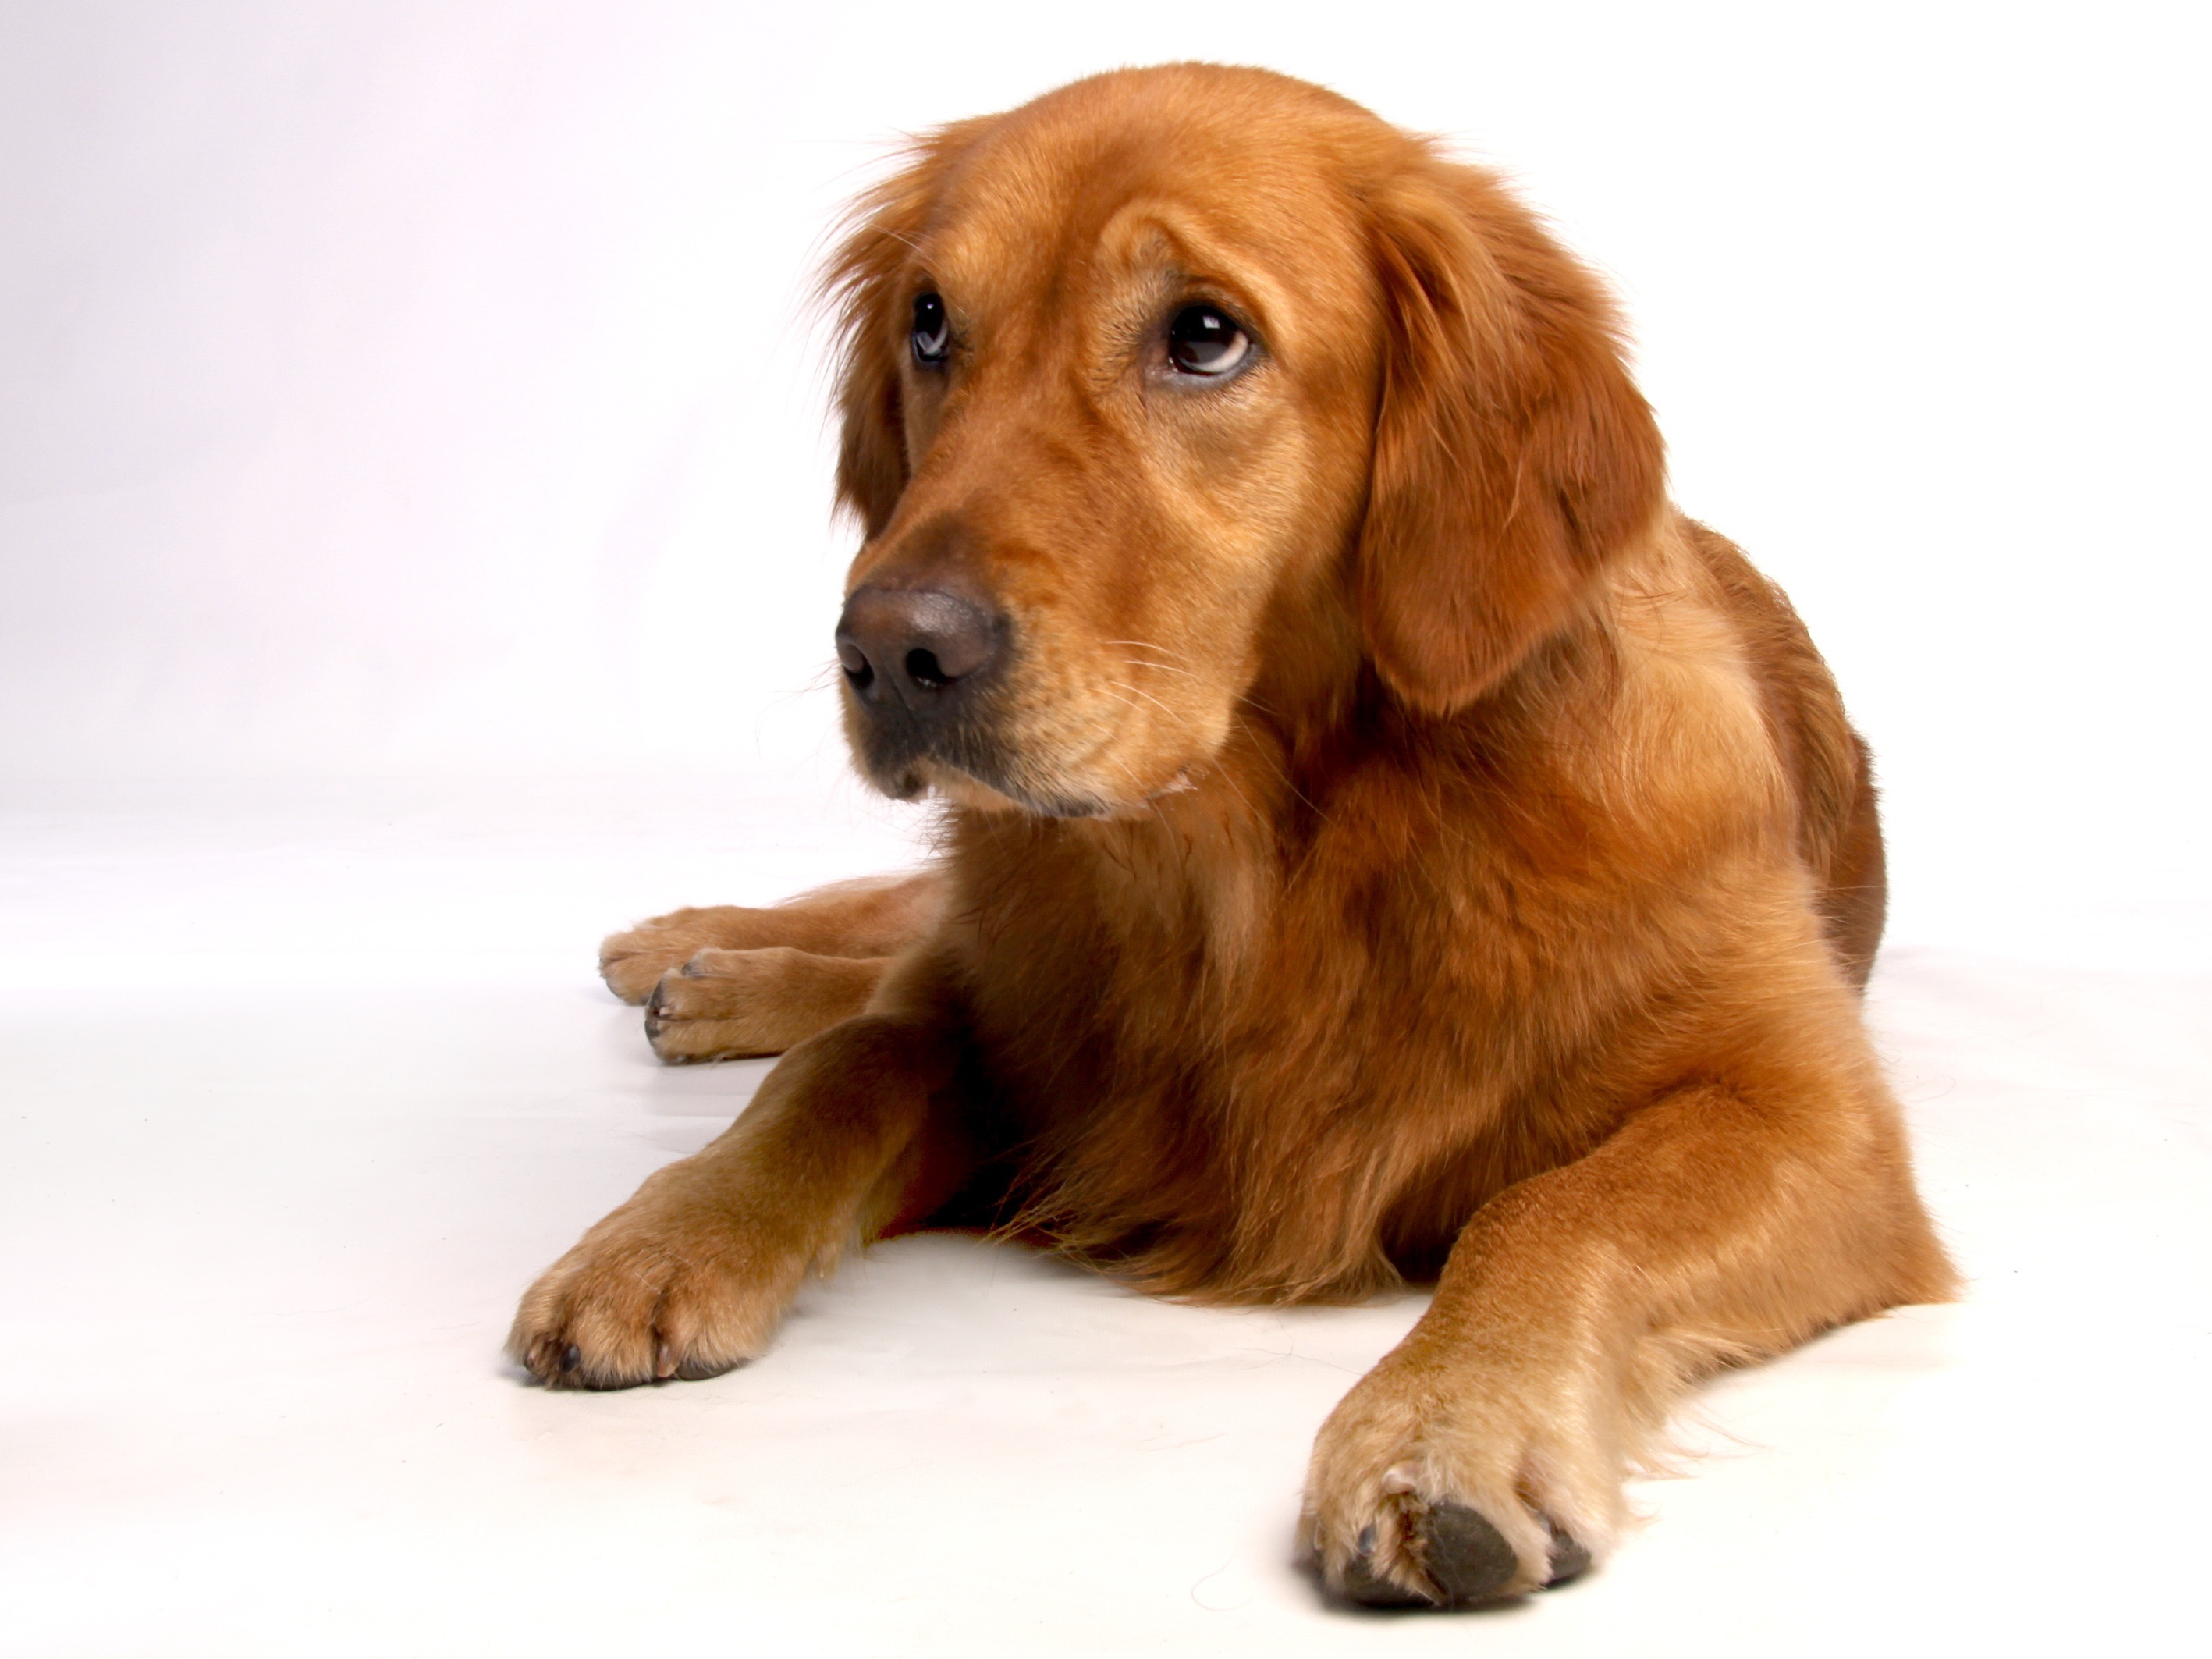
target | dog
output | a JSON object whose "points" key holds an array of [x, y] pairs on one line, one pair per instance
{"points": [[1383, 839]]}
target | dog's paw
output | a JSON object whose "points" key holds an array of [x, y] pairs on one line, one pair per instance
{"points": [[732, 1004], [664, 1288], [1447, 1491], [633, 961], [720, 1004]]}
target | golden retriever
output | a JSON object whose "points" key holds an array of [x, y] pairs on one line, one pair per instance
{"points": [[1383, 838]]}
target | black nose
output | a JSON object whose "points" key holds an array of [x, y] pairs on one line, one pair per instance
{"points": [[910, 648]]}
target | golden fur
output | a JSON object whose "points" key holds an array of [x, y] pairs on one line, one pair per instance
{"points": [[1397, 844]]}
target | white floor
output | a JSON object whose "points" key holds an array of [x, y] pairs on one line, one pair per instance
{"points": [[299, 1088]]}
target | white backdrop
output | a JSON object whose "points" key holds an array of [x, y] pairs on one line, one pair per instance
{"points": [[427, 387], [414, 561]]}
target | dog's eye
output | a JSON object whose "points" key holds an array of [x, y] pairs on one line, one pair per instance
{"points": [[1202, 340], [932, 330]]}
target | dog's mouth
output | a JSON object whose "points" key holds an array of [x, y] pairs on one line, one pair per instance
{"points": [[966, 765], [977, 770]]}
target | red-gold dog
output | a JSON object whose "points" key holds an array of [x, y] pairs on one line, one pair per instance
{"points": [[1385, 838]]}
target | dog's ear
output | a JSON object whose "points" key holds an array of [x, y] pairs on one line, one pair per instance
{"points": [[1513, 455], [862, 281]]}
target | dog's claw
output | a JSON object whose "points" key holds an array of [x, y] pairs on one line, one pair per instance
{"points": [[1570, 1558], [571, 1357], [698, 1370]]}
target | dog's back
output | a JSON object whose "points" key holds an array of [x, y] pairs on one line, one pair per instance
{"points": [[1830, 767]]}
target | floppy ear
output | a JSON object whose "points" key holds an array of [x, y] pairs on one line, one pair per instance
{"points": [[862, 280], [1513, 455]]}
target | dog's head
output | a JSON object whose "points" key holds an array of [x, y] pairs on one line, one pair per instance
{"points": [[1185, 385]]}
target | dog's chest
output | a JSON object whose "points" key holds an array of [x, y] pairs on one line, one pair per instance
{"points": [[1196, 983]]}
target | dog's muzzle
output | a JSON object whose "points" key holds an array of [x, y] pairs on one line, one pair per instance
{"points": [[922, 664]]}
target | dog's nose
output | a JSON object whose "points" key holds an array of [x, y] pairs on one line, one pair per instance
{"points": [[911, 646]]}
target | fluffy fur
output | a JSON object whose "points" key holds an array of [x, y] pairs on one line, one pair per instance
{"points": [[1398, 845]]}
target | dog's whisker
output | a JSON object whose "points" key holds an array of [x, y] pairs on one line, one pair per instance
{"points": [[1165, 668], [1139, 691]]}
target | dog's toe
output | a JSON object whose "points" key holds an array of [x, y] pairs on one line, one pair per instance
{"points": [[1464, 1556], [1363, 1584], [1468, 1558], [699, 1371]]}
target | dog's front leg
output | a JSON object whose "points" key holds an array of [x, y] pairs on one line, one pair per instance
{"points": [[1485, 1455], [690, 1276]]}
